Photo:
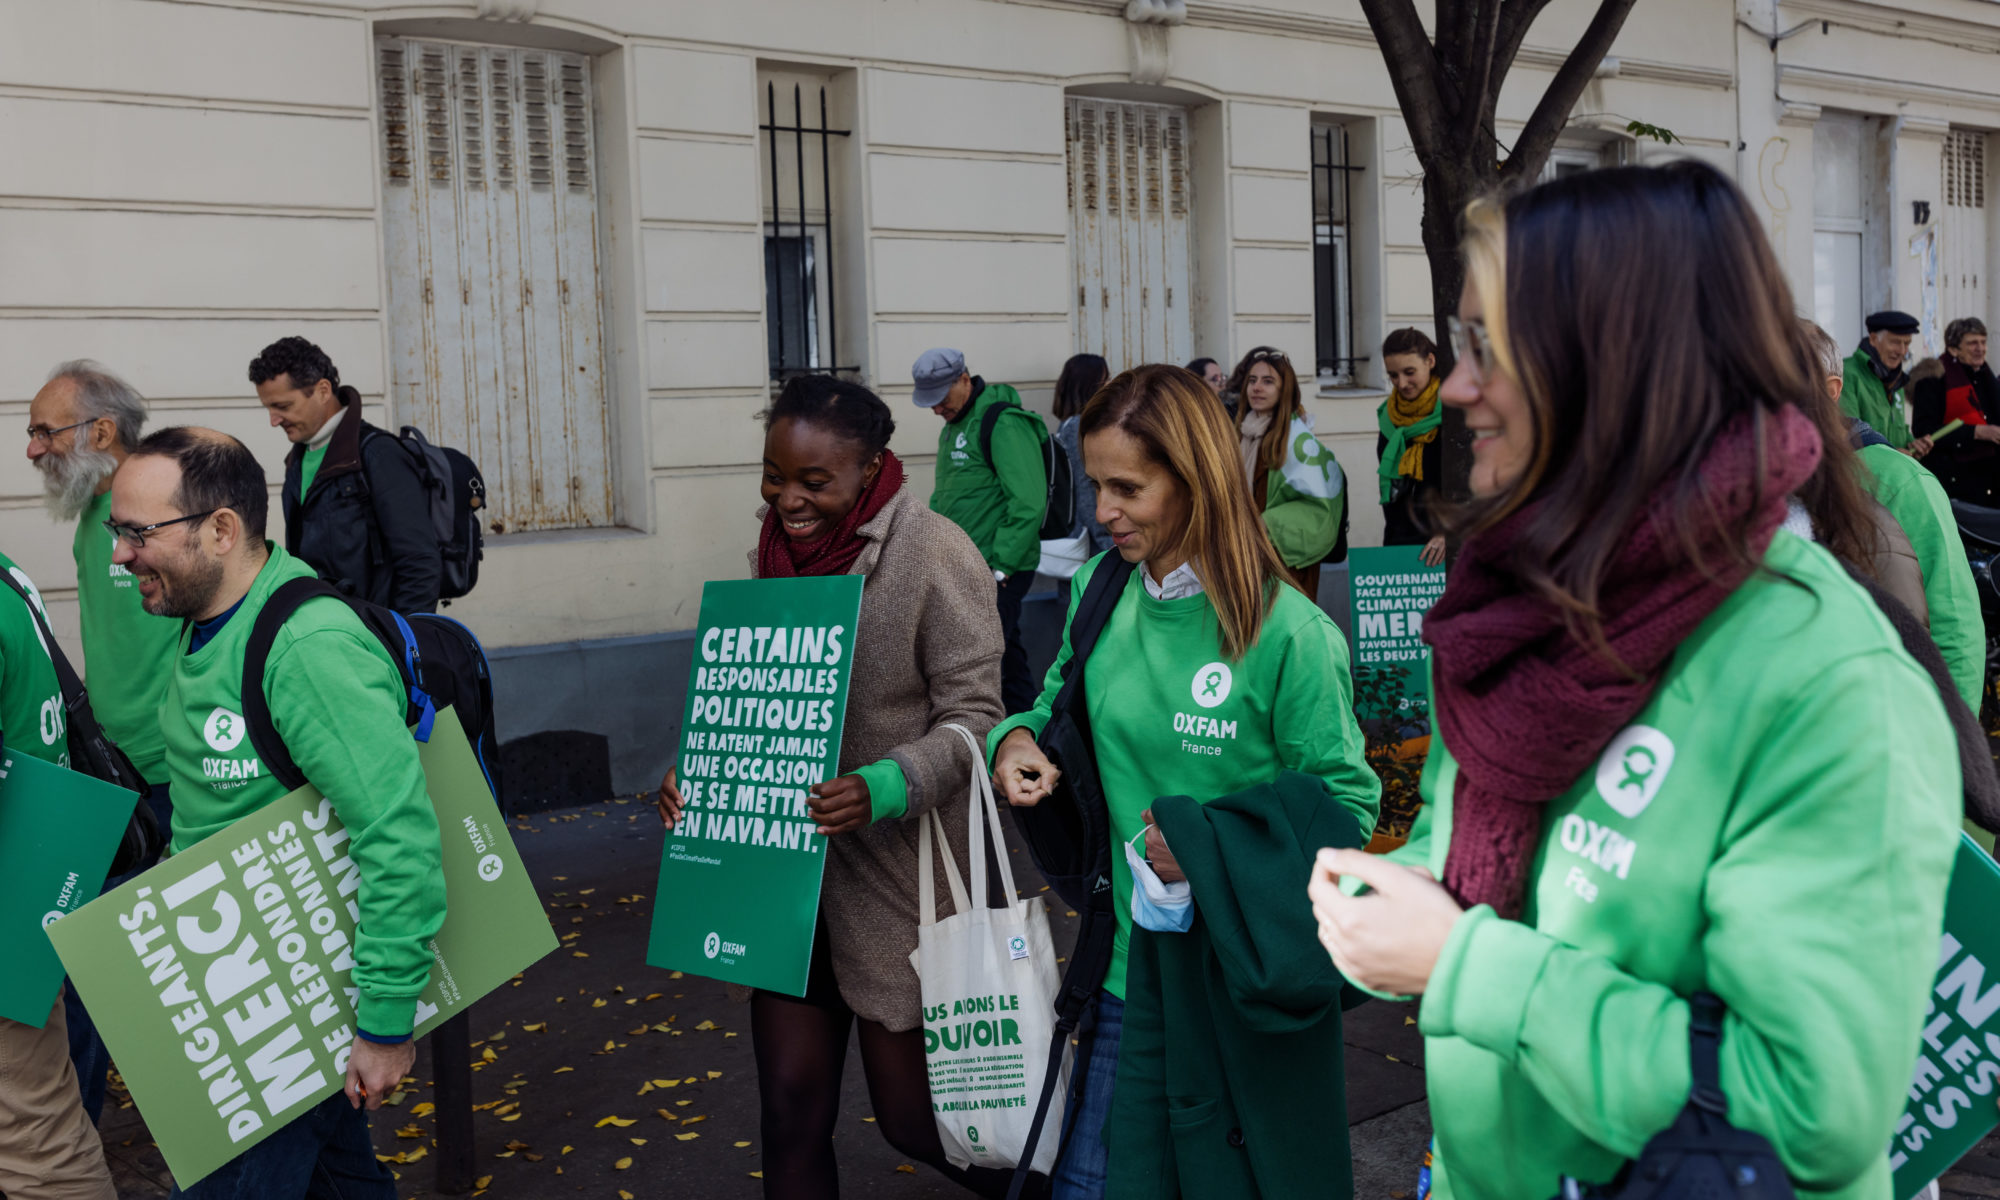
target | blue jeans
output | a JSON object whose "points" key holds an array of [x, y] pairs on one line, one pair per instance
{"points": [[86, 1049], [323, 1154], [1080, 1171]]}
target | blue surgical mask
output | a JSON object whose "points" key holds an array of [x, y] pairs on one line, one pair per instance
{"points": [[1156, 905]]}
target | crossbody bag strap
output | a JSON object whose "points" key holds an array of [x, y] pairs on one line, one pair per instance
{"points": [[1705, 1012], [67, 679]]}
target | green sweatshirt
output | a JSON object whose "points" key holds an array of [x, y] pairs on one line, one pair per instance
{"points": [[1170, 717], [337, 700], [1776, 826], [128, 653], [32, 718], [998, 504], [1916, 499], [1862, 395], [1304, 501]]}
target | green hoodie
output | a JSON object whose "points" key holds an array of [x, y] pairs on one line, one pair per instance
{"points": [[998, 504], [1777, 826], [1304, 500], [32, 719], [1170, 716], [128, 653], [1863, 395], [337, 699], [1916, 499]]}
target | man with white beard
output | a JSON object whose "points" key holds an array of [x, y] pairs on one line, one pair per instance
{"points": [[81, 425]]}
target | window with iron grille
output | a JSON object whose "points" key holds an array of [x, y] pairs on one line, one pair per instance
{"points": [[1333, 260], [801, 296]]}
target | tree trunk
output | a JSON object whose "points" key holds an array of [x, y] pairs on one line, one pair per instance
{"points": [[1443, 204]]}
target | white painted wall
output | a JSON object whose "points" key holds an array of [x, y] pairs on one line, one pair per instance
{"points": [[182, 182]]}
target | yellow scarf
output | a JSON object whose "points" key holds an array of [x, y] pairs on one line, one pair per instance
{"points": [[1408, 412]]}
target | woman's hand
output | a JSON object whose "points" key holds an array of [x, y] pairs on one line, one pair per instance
{"points": [[1021, 772], [1986, 433], [1919, 447], [1387, 940], [1161, 859], [1433, 552], [841, 805], [669, 801]]}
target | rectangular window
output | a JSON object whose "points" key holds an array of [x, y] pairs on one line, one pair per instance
{"points": [[1333, 259], [1130, 231], [1962, 236], [802, 312], [496, 338]]}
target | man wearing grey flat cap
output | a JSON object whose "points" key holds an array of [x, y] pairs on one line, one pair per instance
{"points": [[1874, 378], [992, 483]]}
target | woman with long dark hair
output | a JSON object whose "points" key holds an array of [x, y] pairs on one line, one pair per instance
{"points": [[1081, 378], [926, 655], [1678, 750], [1294, 481], [1211, 674]]}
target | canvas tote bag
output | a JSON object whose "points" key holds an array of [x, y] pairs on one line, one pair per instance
{"points": [[989, 983]]}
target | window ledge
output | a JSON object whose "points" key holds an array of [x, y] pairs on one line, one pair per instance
{"points": [[544, 537], [1351, 392]]}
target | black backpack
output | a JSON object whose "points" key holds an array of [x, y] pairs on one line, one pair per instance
{"points": [[442, 664], [457, 493], [1059, 504], [93, 753], [1069, 836], [1701, 1156]]}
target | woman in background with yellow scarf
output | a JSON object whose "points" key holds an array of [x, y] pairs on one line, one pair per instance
{"points": [[1408, 446]]}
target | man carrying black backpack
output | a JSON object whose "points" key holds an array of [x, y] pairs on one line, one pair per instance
{"points": [[356, 507]]}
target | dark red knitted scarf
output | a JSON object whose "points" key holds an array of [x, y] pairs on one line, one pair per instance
{"points": [[1525, 707], [778, 557]]}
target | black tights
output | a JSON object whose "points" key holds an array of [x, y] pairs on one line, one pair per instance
{"points": [[801, 1050]]}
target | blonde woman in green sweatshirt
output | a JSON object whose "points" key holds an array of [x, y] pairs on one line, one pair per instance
{"points": [[1213, 672], [1677, 749]]}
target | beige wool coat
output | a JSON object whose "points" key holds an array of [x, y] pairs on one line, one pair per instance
{"points": [[927, 654]]}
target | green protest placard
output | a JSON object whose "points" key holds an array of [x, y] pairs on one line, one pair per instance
{"points": [[1952, 1093], [1391, 591], [222, 978], [58, 833], [740, 873]]}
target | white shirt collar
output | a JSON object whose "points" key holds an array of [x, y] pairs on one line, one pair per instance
{"points": [[1180, 583], [325, 433]]}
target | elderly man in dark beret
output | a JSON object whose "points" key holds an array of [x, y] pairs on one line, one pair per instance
{"points": [[1874, 379]]}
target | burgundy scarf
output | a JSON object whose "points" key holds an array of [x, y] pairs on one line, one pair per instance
{"points": [[779, 557], [1525, 707]]}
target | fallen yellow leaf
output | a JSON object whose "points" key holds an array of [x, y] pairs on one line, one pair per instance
{"points": [[686, 1137], [537, 1027], [624, 1195], [715, 1074], [653, 996], [597, 1003], [560, 1070], [740, 1145], [482, 1181], [705, 1025], [620, 1122], [638, 1141], [676, 975], [907, 1169], [666, 1083], [621, 1164], [756, 1174], [567, 1149], [692, 1120], [646, 1087], [423, 1110]]}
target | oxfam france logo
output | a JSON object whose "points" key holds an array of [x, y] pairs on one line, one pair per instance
{"points": [[51, 917], [223, 730], [712, 945], [1211, 684], [490, 867]]}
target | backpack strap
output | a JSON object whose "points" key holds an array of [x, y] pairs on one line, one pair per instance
{"points": [[78, 717], [1093, 612], [987, 422], [256, 655], [1705, 1012]]}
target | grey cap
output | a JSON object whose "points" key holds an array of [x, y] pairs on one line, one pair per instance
{"points": [[935, 372]]}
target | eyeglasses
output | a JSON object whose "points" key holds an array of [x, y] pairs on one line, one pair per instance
{"points": [[47, 436], [1473, 345], [136, 537]]}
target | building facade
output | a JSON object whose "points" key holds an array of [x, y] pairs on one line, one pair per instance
{"points": [[585, 239]]}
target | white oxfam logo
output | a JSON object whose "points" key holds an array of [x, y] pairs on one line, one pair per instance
{"points": [[224, 730], [712, 945], [490, 867], [961, 442], [50, 918], [1211, 684], [1633, 767]]}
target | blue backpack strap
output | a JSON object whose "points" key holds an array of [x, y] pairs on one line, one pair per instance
{"points": [[421, 702], [263, 734]]}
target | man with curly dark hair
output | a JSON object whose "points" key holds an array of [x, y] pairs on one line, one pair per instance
{"points": [[355, 507]]}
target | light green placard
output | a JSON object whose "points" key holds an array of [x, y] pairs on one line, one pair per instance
{"points": [[221, 979], [1952, 1091], [740, 874], [58, 833]]}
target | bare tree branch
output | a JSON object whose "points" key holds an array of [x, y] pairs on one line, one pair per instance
{"points": [[1538, 137], [1454, 22], [1515, 18], [1406, 50], [1476, 107]]}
